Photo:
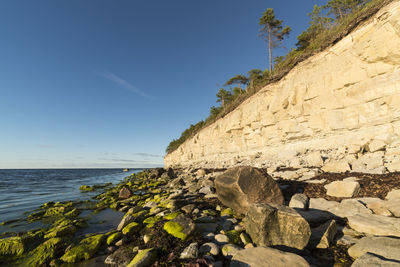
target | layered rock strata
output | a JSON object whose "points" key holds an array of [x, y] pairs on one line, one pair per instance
{"points": [[338, 110]]}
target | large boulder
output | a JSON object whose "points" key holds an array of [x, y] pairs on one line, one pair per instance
{"points": [[240, 187], [271, 224], [266, 257]]}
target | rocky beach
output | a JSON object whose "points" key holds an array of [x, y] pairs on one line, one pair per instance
{"points": [[236, 217]]}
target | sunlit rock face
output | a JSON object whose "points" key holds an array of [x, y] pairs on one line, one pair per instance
{"points": [[339, 108]]}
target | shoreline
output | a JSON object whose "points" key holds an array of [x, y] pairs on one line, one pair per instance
{"points": [[169, 214]]}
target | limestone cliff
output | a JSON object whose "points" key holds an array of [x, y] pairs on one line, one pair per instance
{"points": [[339, 110]]}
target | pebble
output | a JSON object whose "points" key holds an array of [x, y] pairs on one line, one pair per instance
{"points": [[229, 250], [211, 248], [190, 252], [221, 239], [208, 236]]}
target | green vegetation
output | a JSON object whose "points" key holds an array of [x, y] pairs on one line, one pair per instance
{"points": [[85, 250], [328, 24], [175, 229]]}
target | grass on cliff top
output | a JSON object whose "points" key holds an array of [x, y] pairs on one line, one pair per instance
{"points": [[318, 43]]}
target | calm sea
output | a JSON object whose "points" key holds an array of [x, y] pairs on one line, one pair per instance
{"points": [[22, 191]]}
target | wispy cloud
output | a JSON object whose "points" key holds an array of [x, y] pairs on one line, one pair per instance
{"points": [[122, 83], [147, 155]]}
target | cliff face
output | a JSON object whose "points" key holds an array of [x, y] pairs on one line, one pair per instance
{"points": [[339, 107]]}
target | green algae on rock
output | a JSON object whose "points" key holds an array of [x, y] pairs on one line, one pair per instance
{"points": [[227, 212], [175, 229], [150, 221], [144, 258], [84, 250], [234, 236], [131, 228], [61, 231], [112, 238], [12, 246], [44, 253], [86, 188], [172, 216]]}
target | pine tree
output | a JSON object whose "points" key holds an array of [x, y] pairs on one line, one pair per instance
{"points": [[273, 31]]}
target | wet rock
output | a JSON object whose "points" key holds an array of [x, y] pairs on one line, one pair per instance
{"points": [[44, 253], [387, 247], [190, 252], [323, 235], [125, 193], [61, 231], [299, 201], [270, 225], [84, 250], [121, 257], [144, 258], [266, 257], [210, 247], [131, 229], [343, 188], [113, 238], [240, 187]]}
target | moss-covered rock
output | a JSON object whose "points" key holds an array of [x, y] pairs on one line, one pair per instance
{"points": [[175, 229], [171, 216], [144, 258], [234, 236], [227, 212], [84, 250], [113, 238], [44, 253], [150, 221], [131, 228], [12, 246], [59, 231], [86, 188]]}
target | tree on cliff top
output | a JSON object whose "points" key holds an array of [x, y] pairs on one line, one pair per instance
{"points": [[238, 80], [339, 8], [272, 31], [224, 96]]}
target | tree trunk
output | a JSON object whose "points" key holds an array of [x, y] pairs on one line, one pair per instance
{"points": [[269, 48], [340, 13]]}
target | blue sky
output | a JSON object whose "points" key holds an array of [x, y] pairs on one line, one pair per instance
{"points": [[99, 83]]}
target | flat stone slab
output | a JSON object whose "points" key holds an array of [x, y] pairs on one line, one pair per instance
{"points": [[371, 260], [375, 224], [386, 247], [266, 257], [343, 188]]}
